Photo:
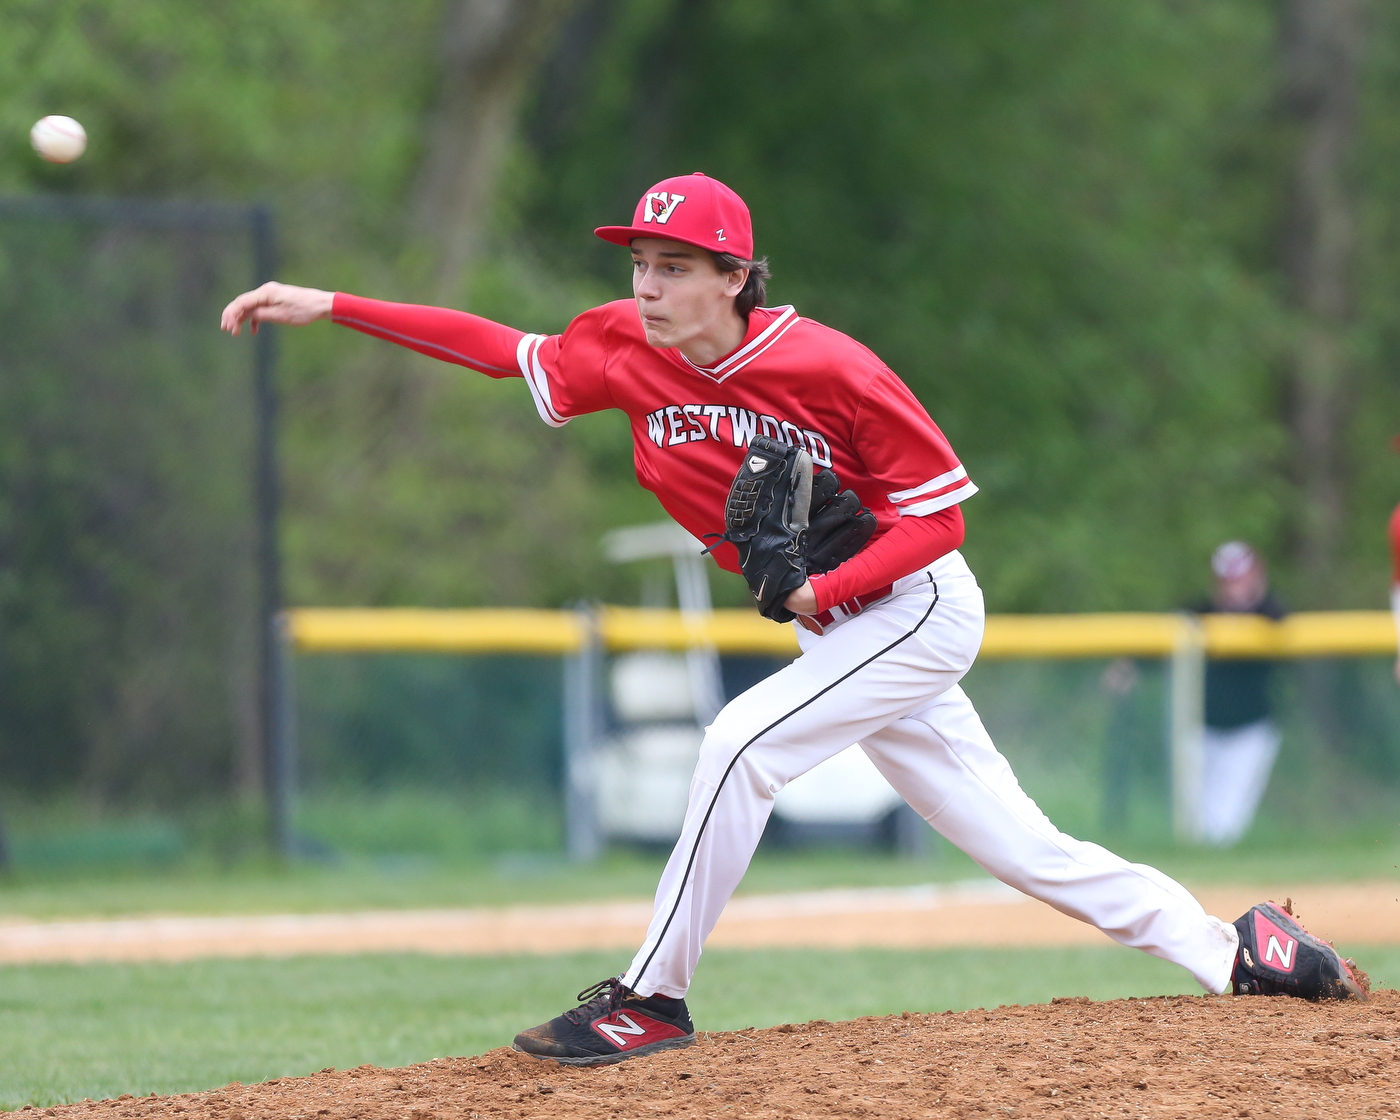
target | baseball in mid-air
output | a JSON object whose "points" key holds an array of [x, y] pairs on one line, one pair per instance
{"points": [[58, 139]]}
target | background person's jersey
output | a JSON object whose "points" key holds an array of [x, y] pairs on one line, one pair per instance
{"points": [[791, 378], [1393, 533]]}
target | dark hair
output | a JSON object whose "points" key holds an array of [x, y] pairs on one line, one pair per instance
{"points": [[755, 290]]}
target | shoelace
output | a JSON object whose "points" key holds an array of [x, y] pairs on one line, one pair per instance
{"points": [[724, 538], [607, 993]]}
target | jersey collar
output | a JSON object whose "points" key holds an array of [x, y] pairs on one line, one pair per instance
{"points": [[750, 348]]}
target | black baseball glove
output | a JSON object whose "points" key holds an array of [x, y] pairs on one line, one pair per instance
{"points": [[767, 516], [838, 525]]}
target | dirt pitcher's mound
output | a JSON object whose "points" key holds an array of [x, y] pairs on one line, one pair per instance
{"points": [[1178, 1057]]}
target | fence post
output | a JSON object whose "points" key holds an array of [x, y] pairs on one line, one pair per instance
{"points": [[267, 501], [282, 754], [1187, 726], [582, 718]]}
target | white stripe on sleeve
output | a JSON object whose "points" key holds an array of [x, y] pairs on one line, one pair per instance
{"points": [[943, 501], [931, 485], [527, 355]]}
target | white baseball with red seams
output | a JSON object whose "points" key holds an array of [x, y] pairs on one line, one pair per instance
{"points": [[896, 627], [58, 139]]}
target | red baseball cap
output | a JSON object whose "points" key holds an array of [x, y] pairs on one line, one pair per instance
{"points": [[694, 209]]}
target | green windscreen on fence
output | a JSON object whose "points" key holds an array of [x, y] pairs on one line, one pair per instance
{"points": [[129, 580], [414, 754], [1089, 743], [432, 753]]}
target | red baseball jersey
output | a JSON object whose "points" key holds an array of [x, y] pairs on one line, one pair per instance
{"points": [[791, 379], [1393, 529]]}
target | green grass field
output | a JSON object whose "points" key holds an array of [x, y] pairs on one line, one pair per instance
{"points": [[353, 883], [69, 1032]]}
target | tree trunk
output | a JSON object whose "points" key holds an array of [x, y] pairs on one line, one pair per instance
{"points": [[1320, 48], [490, 48]]}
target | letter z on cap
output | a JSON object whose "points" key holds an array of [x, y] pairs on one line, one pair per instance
{"points": [[694, 209]]}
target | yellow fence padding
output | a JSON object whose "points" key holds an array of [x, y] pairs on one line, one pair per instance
{"points": [[1307, 634], [335, 630]]}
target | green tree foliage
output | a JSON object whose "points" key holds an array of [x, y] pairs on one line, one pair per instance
{"points": [[121, 664], [126, 634], [1374, 343], [315, 104], [127, 597], [407, 481]]}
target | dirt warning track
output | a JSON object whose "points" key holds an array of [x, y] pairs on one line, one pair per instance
{"points": [[1180, 1056], [977, 913]]}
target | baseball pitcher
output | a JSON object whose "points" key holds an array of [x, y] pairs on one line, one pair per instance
{"points": [[821, 479]]}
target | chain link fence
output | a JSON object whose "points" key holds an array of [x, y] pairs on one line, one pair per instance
{"points": [[137, 502]]}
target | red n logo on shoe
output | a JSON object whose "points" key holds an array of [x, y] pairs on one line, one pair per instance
{"points": [[627, 1033], [1278, 948]]}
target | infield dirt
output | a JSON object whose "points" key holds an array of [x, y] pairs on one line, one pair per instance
{"points": [[1162, 1057]]}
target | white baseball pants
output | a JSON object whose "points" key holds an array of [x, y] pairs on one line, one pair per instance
{"points": [[887, 678]]}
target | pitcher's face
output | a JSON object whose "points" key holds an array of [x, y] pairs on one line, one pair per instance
{"points": [[680, 293]]}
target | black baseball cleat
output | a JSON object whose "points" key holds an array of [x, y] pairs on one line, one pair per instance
{"points": [[1278, 957], [611, 1024]]}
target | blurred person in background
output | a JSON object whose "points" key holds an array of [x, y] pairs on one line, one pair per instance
{"points": [[1240, 739]]}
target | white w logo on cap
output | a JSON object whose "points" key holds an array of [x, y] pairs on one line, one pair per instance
{"points": [[668, 206]]}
